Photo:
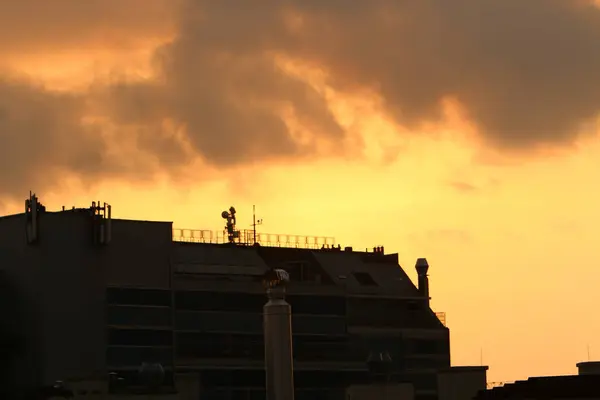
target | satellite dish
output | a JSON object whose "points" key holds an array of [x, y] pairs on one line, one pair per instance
{"points": [[225, 214]]}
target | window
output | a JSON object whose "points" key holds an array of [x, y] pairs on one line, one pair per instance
{"points": [[324, 379], [219, 301], [253, 323], [394, 345], [122, 356], [142, 297], [219, 321], [397, 313], [423, 381], [425, 362], [213, 345], [257, 395], [317, 394], [139, 337], [426, 397], [138, 316], [318, 325], [317, 349], [248, 302], [376, 312], [131, 378], [425, 346], [415, 306], [303, 271], [249, 378], [364, 279], [317, 305]]}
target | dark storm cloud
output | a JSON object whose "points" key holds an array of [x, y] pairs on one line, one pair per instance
{"points": [[525, 71], [40, 133]]}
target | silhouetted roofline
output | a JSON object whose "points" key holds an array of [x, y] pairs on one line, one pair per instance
{"points": [[465, 368], [8, 216]]}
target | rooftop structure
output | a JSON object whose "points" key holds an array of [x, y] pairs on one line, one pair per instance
{"points": [[547, 387]]}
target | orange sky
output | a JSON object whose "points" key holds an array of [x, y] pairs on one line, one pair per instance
{"points": [[511, 239]]}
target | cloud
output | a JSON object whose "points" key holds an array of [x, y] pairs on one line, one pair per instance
{"points": [[59, 25], [464, 187], [469, 187], [524, 71]]}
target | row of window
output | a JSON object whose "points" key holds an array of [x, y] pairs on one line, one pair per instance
{"points": [[422, 381], [223, 301], [122, 379], [203, 346], [253, 323], [399, 346], [218, 321], [138, 296], [194, 345], [428, 346], [260, 394], [140, 337], [163, 338], [138, 316], [357, 308], [215, 381], [197, 343], [134, 356], [393, 313], [418, 363], [221, 379], [399, 319], [227, 301]]}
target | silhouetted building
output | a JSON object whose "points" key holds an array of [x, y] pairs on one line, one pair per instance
{"points": [[93, 296], [586, 385]]}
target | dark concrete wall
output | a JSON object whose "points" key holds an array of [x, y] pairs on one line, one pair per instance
{"points": [[139, 254], [20, 314], [57, 304], [70, 297]]}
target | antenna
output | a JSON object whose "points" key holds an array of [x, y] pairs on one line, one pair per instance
{"points": [[588, 352], [229, 216], [481, 356], [255, 223]]}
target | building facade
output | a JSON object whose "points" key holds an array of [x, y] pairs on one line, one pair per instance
{"points": [[93, 296]]}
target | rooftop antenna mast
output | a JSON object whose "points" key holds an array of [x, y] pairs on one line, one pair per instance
{"points": [[588, 352], [481, 356], [255, 223], [229, 216]]}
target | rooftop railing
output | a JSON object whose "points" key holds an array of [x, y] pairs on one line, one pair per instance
{"points": [[442, 317], [247, 237]]}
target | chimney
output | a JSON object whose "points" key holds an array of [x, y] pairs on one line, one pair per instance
{"points": [[589, 368], [422, 267]]}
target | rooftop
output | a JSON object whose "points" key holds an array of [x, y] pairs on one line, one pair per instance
{"points": [[548, 387]]}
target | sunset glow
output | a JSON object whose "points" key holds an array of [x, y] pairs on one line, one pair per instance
{"points": [[510, 232]]}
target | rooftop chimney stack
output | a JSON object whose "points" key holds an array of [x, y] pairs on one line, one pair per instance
{"points": [[423, 280], [589, 368]]}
